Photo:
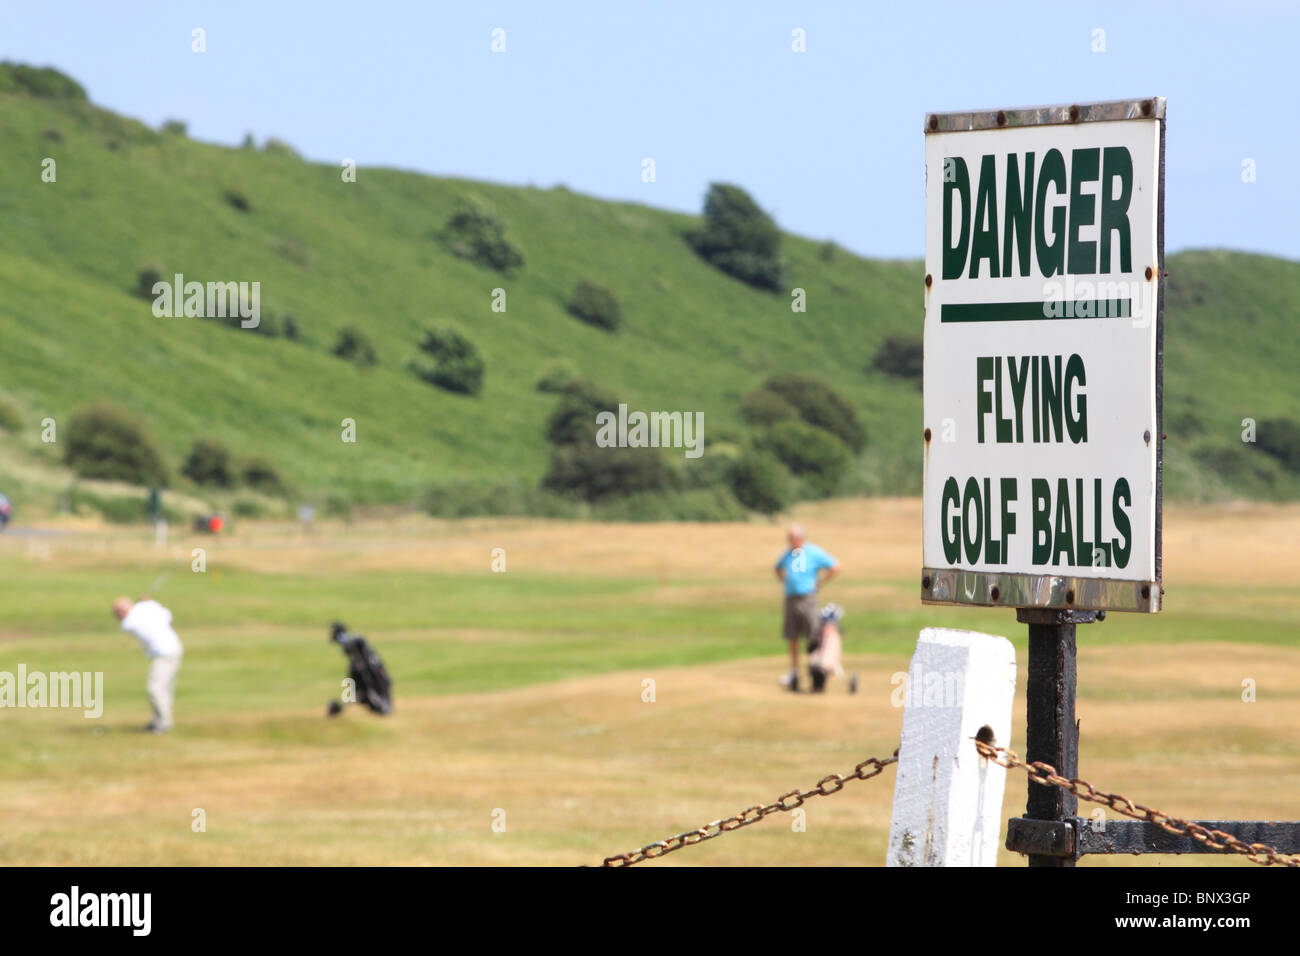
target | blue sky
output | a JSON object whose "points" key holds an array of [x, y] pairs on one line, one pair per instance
{"points": [[828, 140]]}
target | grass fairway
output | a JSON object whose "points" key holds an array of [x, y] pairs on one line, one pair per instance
{"points": [[522, 691]]}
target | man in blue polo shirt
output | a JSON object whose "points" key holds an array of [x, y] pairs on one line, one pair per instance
{"points": [[800, 571]]}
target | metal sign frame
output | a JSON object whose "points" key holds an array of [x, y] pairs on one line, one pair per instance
{"points": [[1052, 591], [1051, 833]]}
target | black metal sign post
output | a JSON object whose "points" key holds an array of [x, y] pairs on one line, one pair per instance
{"points": [[1051, 733]]}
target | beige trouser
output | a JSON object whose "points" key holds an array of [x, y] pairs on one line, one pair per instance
{"points": [[161, 686]]}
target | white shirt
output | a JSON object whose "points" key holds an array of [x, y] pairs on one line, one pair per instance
{"points": [[152, 624]]}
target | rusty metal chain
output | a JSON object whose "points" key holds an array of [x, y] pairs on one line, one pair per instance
{"points": [[831, 783], [1045, 774]]}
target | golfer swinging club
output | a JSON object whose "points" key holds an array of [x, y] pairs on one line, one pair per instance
{"points": [[799, 569], [151, 623]]}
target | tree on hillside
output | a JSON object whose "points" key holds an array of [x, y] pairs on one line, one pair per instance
{"points": [[354, 345], [208, 463], [574, 420], [739, 238], [760, 482], [900, 355], [595, 305], [42, 81], [581, 468], [593, 473], [260, 475], [454, 362], [475, 232], [813, 454], [102, 441], [1280, 438], [820, 406]]}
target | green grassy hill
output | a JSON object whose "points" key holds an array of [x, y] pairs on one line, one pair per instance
{"points": [[334, 253]]}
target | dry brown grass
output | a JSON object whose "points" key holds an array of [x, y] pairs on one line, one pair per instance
{"points": [[584, 768], [1247, 543]]}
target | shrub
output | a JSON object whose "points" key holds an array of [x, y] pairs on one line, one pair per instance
{"points": [[1186, 288], [712, 504], [711, 470], [763, 407], [816, 456], [237, 198], [208, 463], [278, 147], [556, 376], [268, 324], [52, 134], [248, 508], [574, 420], [722, 434], [102, 441], [289, 328], [354, 345], [592, 473], [595, 305], [260, 475], [760, 482], [581, 468], [1233, 462], [1280, 438], [820, 406], [118, 509], [1182, 420], [45, 82], [456, 364], [11, 419], [468, 499], [826, 251], [146, 278], [474, 232], [175, 127], [900, 355], [739, 238]]}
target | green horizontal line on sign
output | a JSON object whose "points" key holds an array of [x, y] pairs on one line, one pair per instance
{"points": [[1037, 311]]}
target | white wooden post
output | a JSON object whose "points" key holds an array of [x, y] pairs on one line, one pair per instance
{"points": [[948, 799]]}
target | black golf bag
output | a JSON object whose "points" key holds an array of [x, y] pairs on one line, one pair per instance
{"points": [[374, 687]]}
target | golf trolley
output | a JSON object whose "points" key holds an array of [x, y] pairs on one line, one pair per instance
{"points": [[370, 681]]}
